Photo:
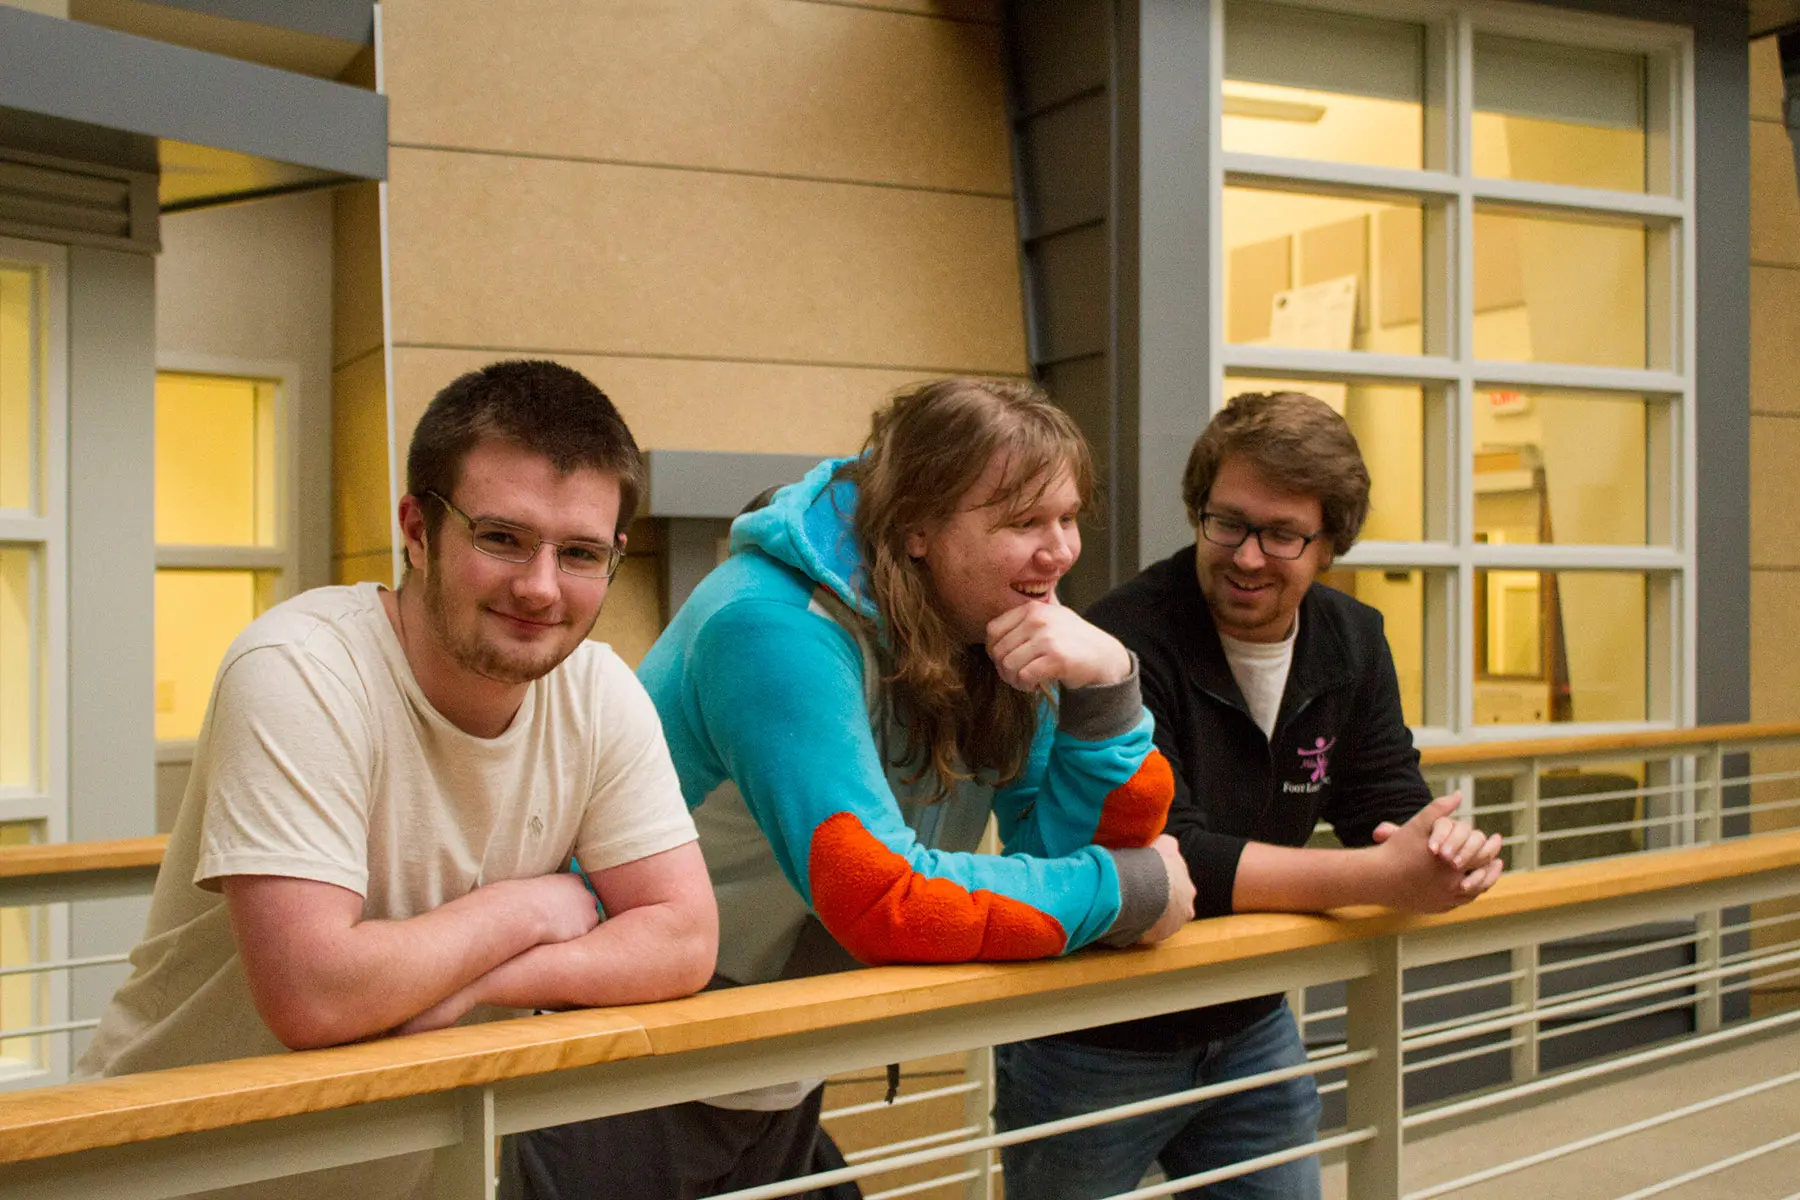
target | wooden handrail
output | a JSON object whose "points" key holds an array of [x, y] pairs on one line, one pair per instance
{"points": [[1591, 745], [130, 1108], [69, 858]]}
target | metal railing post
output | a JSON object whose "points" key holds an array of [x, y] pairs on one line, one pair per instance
{"points": [[1525, 958], [1374, 1095], [978, 1105], [465, 1169], [1709, 795]]}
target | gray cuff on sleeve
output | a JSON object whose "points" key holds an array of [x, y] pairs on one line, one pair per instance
{"points": [[1143, 894], [1106, 710]]}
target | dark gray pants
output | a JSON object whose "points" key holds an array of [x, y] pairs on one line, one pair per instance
{"points": [[681, 1152]]}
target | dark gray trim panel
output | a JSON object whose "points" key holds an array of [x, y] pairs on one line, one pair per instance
{"points": [[344, 20], [117, 81], [716, 485]]}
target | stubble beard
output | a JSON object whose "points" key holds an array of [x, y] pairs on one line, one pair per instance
{"points": [[471, 652]]}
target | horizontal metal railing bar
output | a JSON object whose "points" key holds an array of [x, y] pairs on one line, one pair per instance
{"points": [[1712, 1168], [995, 1141], [1756, 981], [1325, 1014], [1602, 1138], [1635, 793], [1261, 1161], [1635, 1012], [1602, 956], [1763, 777], [1444, 1060], [900, 1101], [1588, 1073], [1761, 923], [1659, 742], [32, 1031], [929, 1139], [924, 1185], [1420, 1036], [1462, 985], [1509, 1017], [1642, 824], [65, 964], [1749, 956]]}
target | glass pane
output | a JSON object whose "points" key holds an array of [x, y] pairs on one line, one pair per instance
{"points": [[20, 693], [1361, 103], [21, 369], [198, 613], [1324, 272], [1562, 466], [1559, 114], [1555, 646], [24, 998], [214, 461], [1400, 595], [1389, 423], [1553, 290]]}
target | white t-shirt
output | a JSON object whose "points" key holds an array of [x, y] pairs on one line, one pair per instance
{"points": [[321, 759], [1261, 671]]}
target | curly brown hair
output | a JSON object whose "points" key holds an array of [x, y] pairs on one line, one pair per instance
{"points": [[1298, 443], [925, 450]]}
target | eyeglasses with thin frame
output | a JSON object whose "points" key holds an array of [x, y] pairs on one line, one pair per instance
{"points": [[516, 544], [1275, 541]]}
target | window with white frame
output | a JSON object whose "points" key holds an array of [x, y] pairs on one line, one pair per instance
{"points": [[33, 804], [223, 532], [1468, 227]]}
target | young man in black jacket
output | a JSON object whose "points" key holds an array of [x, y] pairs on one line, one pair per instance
{"points": [[1277, 704]]}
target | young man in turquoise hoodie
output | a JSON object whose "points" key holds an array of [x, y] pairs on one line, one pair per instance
{"points": [[880, 665]]}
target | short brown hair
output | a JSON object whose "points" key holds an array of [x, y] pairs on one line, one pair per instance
{"points": [[537, 405], [1298, 443]]}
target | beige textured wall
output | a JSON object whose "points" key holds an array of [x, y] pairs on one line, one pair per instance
{"points": [[1774, 400], [746, 220], [1774, 461]]}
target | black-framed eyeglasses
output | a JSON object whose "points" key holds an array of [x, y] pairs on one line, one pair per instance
{"points": [[517, 544], [1275, 541]]}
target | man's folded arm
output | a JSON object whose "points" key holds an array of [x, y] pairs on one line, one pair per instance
{"points": [[659, 940], [321, 975]]}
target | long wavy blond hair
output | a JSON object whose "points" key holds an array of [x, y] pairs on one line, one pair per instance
{"points": [[926, 450]]}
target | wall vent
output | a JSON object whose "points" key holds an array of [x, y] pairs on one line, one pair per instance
{"points": [[52, 200]]}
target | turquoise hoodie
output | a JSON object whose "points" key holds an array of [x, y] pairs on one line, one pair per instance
{"points": [[770, 694]]}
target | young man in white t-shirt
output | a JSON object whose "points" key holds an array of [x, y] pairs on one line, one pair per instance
{"points": [[1277, 705], [390, 785]]}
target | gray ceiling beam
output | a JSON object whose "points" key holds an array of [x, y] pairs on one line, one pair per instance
{"points": [[100, 77]]}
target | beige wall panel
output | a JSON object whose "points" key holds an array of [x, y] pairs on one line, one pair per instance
{"points": [[1775, 634], [1775, 340], [355, 272], [817, 90], [678, 404], [632, 615], [489, 251], [1775, 494], [1765, 79], [964, 10], [1774, 202], [364, 568], [361, 502]]}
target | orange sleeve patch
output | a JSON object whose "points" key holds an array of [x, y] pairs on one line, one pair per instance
{"points": [[1136, 810], [883, 911]]}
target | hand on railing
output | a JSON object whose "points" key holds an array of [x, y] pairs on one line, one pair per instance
{"points": [[1434, 862], [1180, 907]]}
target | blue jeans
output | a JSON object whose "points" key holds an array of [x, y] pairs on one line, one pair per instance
{"points": [[1046, 1080]]}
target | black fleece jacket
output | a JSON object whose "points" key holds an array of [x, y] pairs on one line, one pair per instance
{"points": [[1341, 751]]}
